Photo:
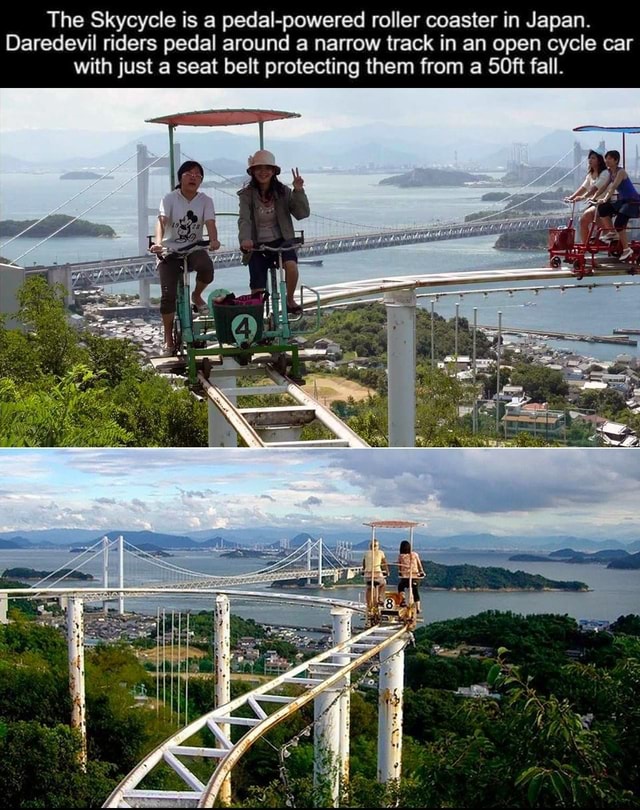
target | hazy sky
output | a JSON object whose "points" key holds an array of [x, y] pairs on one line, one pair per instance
{"points": [[484, 113], [590, 493]]}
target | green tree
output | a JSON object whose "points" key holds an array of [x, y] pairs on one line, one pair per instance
{"points": [[41, 768], [42, 311], [540, 383]]}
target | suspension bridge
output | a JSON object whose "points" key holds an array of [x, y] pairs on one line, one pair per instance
{"points": [[118, 562], [75, 276]]}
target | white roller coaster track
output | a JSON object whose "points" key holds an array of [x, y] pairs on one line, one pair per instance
{"points": [[313, 677]]}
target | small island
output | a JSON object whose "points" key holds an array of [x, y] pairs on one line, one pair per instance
{"points": [[84, 176], [419, 178], [31, 573], [252, 553], [53, 223]]}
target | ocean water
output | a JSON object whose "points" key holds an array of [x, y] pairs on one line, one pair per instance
{"points": [[343, 204], [612, 592]]}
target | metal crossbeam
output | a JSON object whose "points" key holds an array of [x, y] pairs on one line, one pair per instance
{"points": [[130, 793], [248, 422]]}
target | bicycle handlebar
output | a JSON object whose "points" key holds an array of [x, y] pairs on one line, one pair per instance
{"points": [[186, 250], [292, 243]]}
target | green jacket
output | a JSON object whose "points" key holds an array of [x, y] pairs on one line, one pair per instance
{"points": [[288, 204]]}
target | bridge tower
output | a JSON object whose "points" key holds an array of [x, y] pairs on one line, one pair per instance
{"points": [[578, 154], [144, 160]]}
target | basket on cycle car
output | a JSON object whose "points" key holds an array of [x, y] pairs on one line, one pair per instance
{"points": [[239, 319], [562, 238]]}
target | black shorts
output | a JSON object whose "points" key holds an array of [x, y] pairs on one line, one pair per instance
{"points": [[622, 210], [403, 584], [261, 261]]}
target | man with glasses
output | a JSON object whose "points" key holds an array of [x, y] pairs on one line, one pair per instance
{"points": [[182, 216]]}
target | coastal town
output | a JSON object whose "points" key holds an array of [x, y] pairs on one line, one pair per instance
{"points": [[121, 316]]}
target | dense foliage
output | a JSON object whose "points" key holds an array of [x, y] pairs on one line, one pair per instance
{"points": [[60, 387]]}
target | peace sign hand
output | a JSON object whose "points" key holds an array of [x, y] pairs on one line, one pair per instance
{"points": [[298, 182]]}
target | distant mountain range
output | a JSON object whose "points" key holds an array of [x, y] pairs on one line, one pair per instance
{"points": [[268, 537], [391, 146], [611, 557]]}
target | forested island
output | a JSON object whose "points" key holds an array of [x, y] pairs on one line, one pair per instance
{"points": [[52, 223], [419, 178], [612, 558], [31, 573], [468, 578], [522, 240]]}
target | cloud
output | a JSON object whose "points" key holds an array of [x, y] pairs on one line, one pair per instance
{"points": [[490, 481], [203, 494], [321, 109], [138, 506], [309, 502]]}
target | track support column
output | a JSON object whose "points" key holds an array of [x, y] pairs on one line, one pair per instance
{"points": [[221, 433], [222, 651], [75, 646], [401, 366], [390, 697], [342, 632], [326, 742]]}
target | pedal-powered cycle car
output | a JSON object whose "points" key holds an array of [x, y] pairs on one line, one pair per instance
{"points": [[239, 326], [562, 243]]}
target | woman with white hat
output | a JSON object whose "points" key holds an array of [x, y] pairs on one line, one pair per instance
{"points": [[267, 207]]}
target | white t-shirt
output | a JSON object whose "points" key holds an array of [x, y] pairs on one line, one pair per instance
{"points": [[186, 218], [599, 182]]}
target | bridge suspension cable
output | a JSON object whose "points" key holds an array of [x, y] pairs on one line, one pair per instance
{"points": [[66, 202], [45, 581], [90, 208], [546, 171]]}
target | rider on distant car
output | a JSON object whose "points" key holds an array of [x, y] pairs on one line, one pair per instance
{"points": [[625, 207]]}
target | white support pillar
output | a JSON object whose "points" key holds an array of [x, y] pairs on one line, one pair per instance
{"points": [[75, 643], [401, 365], [390, 697], [222, 655], [342, 632], [62, 275], [121, 574], [221, 433], [320, 563], [105, 570], [143, 198], [326, 742], [144, 292], [308, 560], [4, 607]]}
